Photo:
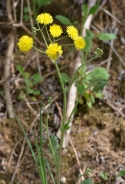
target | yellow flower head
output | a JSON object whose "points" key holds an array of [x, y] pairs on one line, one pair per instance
{"points": [[44, 18], [53, 51], [72, 32], [25, 43], [79, 43], [55, 30]]}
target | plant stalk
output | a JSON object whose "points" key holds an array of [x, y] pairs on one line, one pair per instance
{"points": [[63, 123]]}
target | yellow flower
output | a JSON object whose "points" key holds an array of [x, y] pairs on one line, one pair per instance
{"points": [[72, 32], [44, 18], [55, 30], [79, 43], [53, 51], [25, 43]]}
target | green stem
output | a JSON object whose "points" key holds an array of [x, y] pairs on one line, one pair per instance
{"points": [[61, 139], [42, 35], [60, 38], [63, 123], [48, 34], [50, 144], [67, 45], [38, 50]]}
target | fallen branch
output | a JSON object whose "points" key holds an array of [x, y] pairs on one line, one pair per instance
{"points": [[7, 64]]}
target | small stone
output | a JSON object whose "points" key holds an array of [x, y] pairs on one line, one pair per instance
{"points": [[102, 159], [68, 155], [63, 180], [120, 180], [65, 151]]}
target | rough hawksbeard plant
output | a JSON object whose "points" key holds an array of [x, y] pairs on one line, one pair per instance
{"points": [[53, 49]]}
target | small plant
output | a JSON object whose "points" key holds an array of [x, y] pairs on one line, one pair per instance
{"points": [[30, 82], [54, 52], [121, 173], [89, 85], [104, 176]]}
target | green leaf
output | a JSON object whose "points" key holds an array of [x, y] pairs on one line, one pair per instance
{"points": [[30, 91], [28, 83], [54, 143], [100, 85], [121, 173], [26, 75], [20, 97], [65, 77], [89, 103], [63, 20], [36, 78], [34, 98], [99, 77], [65, 127], [87, 181], [106, 36], [81, 72], [98, 73], [36, 92], [88, 46], [92, 99], [20, 69], [89, 33], [85, 12], [42, 2], [85, 9], [104, 175], [93, 9], [26, 9], [80, 88], [86, 95], [26, 17], [98, 95]]}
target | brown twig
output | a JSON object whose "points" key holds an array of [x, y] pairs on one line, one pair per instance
{"points": [[77, 159], [18, 163], [7, 74], [7, 65]]}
